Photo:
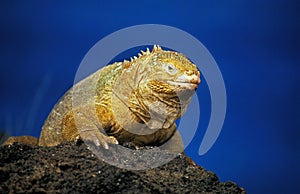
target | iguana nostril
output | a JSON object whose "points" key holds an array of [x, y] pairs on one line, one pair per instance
{"points": [[196, 80], [189, 72]]}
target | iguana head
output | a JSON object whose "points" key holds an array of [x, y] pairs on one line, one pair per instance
{"points": [[171, 72], [166, 71]]}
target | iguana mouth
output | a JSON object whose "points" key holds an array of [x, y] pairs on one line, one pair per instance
{"points": [[186, 85]]}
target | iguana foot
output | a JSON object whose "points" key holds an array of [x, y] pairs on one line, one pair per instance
{"points": [[98, 138]]}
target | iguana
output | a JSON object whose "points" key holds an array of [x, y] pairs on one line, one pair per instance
{"points": [[135, 101]]}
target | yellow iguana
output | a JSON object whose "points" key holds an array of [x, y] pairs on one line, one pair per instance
{"points": [[135, 101]]}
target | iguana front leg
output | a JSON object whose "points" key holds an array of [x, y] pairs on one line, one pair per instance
{"points": [[82, 123]]}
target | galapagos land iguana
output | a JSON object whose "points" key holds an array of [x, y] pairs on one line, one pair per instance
{"points": [[135, 101]]}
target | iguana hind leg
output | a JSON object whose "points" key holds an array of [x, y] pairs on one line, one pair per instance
{"points": [[29, 140]]}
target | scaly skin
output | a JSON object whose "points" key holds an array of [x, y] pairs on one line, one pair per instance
{"points": [[135, 101]]}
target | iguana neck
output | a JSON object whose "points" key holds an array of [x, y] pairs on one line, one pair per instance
{"points": [[156, 110]]}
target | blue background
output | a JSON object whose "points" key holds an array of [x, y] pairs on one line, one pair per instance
{"points": [[255, 43]]}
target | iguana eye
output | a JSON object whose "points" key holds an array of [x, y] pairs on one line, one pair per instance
{"points": [[170, 68]]}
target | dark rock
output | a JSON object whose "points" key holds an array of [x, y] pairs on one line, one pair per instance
{"points": [[70, 168]]}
